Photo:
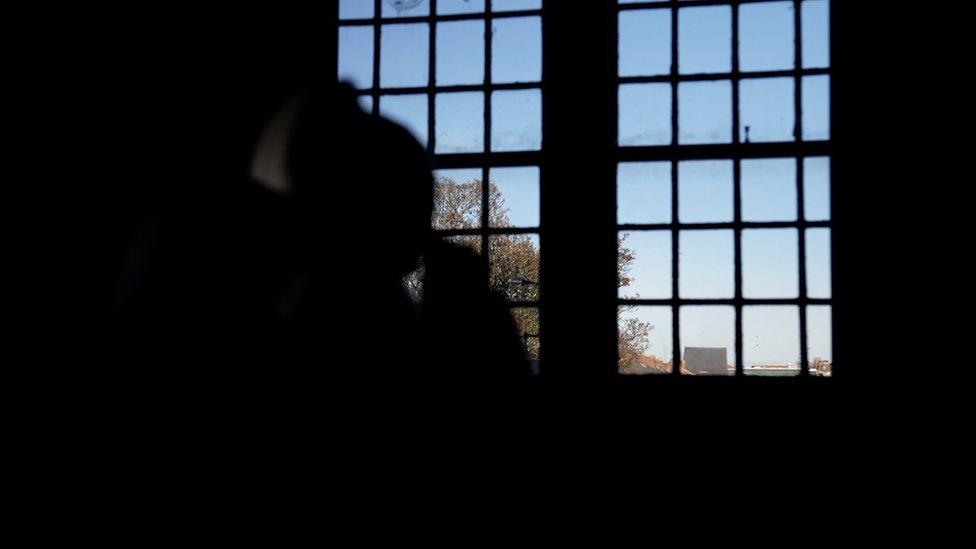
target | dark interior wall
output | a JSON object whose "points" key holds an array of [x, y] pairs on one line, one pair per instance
{"points": [[888, 151], [899, 167]]}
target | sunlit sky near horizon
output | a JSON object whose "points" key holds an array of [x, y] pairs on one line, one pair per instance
{"points": [[705, 188]]}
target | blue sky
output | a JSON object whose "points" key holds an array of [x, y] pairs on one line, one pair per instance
{"points": [[706, 266], [644, 190], [516, 57], [766, 41]]}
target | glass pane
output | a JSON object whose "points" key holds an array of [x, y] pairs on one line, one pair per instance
{"points": [[820, 351], [705, 39], [355, 9], [706, 267], [405, 8], [644, 265], [403, 55], [515, 5], [516, 50], [704, 112], [769, 189], [447, 7], [527, 324], [818, 263], [771, 340], [766, 41], [356, 56], [766, 110], [460, 52], [409, 111], [366, 103], [770, 260], [644, 114], [514, 266], [644, 340], [816, 107], [708, 339], [514, 198], [644, 46], [457, 199], [815, 16], [516, 120], [816, 188], [644, 192], [705, 191], [460, 122]]}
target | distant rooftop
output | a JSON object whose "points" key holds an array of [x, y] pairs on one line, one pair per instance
{"points": [[706, 360], [786, 369]]}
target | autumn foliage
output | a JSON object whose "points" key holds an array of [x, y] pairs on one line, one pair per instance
{"points": [[514, 261]]}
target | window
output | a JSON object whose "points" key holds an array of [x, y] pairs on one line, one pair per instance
{"points": [[723, 188], [465, 77], [721, 153]]}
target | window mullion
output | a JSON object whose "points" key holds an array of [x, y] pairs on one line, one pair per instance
{"points": [[578, 197]]}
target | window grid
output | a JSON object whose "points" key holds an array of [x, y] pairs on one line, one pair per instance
{"points": [[485, 160], [736, 151], [798, 149]]}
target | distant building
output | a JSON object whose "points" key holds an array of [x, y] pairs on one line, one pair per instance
{"points": [[646, 365], [713, 361], [706, 361], [772, 370]]}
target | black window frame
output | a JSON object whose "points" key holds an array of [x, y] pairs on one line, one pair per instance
{"points": [[578, 300]]}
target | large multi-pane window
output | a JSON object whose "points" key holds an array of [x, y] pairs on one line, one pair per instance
{"points": [[722, 154], [723, 187], [465, 77]]}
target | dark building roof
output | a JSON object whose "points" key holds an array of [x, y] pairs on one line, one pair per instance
{"points": [[706, 361]]}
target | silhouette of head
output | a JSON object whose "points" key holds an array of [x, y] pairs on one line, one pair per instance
{"points": [[356, 178], [362, 178]]}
